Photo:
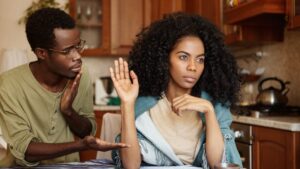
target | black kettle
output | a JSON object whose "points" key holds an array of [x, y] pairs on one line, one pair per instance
{"points": [[272, 96]]}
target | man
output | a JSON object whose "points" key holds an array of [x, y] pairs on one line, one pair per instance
{"points": [[46, 103]]}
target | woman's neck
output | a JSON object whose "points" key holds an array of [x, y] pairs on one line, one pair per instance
{"points": [[175, 91]]}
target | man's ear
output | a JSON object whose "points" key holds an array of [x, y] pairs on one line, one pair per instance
{"points": [[41, 53]]}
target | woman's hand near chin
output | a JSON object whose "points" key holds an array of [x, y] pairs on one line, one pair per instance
{"points": [[125, 82], [214, 138], [188, 102]]}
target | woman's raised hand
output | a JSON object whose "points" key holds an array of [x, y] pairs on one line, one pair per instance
{"points": [[127, 89]]}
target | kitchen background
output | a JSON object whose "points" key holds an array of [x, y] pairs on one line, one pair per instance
{"points": [[280, 59], [266, 141]]}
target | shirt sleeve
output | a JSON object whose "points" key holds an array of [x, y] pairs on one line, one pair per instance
{"points": [[15, 128], [224, 117], [230, 153]]}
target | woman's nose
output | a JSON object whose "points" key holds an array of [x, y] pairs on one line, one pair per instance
{"points": [[191, 65]]}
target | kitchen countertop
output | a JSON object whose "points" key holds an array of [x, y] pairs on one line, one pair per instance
{"points": [[106, 108], [290, 123]]}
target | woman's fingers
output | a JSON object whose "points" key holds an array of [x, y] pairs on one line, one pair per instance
{"points": [[180, 98], [126, 70], [121, 67], [134, 78], [117, 71], [112, 75], [178, 101]]}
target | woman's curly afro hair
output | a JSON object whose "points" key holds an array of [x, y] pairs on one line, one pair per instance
{"points": [[149, 57]]}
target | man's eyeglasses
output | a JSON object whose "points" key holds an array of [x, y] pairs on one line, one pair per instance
{"points": [[68, 51]]}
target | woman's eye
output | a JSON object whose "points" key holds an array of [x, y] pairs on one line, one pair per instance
{"points": [[200, 59], [183, 57]]}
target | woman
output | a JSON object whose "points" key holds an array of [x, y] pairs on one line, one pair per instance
{"points": [[175, 100]]}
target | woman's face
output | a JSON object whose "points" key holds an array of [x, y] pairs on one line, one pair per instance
{"points": [[186, 63]]}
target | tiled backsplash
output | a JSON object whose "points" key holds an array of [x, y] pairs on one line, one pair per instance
{"points": [[281, 60]]}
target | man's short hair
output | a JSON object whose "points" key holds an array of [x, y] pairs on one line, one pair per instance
{"points": [[41, 24]]}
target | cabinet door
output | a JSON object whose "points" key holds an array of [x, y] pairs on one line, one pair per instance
{"points": [[93, 20], [274, 148], [211, 10], [161, 7], [293, 10], [128, 18], [254, 21]]}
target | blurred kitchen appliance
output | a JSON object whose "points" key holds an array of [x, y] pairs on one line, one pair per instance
{"points": [[247, 96], [107, 84], [272, 96], [103, 89], [243, 138], [249, 80]]}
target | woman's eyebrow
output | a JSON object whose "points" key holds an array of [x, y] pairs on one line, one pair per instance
{"points": [[203, 54], [183, 52]]}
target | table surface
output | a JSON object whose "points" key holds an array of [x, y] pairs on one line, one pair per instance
{"points": [[97, 163]]}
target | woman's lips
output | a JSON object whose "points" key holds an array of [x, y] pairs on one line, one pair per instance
{"points": [[190, 79]]}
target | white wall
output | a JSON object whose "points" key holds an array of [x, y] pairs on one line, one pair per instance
{"points": [[13, 35], [11, 32]]}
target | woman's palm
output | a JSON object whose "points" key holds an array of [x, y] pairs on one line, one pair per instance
{"points": [[126, 89]]}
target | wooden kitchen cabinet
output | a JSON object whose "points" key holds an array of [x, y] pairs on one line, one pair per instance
{"points": [[255, 21], [161, 7], [293, 11], [275, 149], [130, 16], [91, 154], [93, 19]]}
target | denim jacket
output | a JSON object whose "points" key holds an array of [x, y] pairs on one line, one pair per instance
{"points": [[224, 118]]}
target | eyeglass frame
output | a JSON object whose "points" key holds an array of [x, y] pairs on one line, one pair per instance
{"points": [[79, 48]]}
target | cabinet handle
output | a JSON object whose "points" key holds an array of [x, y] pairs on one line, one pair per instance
{"points": [[238, 134]]}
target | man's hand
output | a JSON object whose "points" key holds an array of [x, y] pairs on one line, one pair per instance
{"points": [[100, 145], [70, 94]]}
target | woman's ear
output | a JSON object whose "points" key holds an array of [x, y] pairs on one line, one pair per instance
{"points": [[42, 54]]}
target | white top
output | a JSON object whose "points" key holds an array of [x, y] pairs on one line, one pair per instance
{"points": [[181, 132]]}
